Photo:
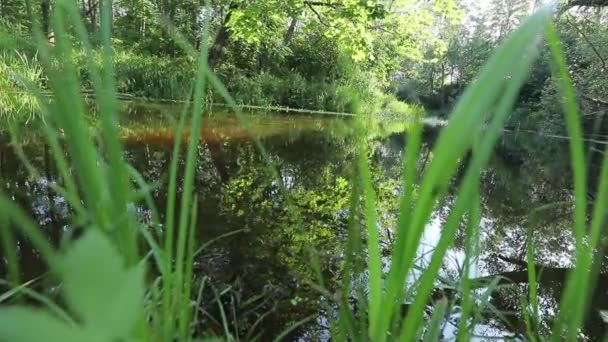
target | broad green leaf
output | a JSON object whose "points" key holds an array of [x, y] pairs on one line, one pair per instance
{"points": [[19, 324], [99, 289]]}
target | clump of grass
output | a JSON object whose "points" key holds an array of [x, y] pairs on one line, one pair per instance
{"points": [[103, 272], [17, 70]]}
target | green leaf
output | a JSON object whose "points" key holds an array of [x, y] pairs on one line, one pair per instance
{"points": [[19, 324], [99, 289]]}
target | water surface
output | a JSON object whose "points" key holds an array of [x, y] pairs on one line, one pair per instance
{"points": [[256, 249]]}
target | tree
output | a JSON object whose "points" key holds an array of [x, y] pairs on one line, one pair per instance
{"points": [[507, 15]]}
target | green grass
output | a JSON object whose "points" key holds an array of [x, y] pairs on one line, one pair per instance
{"points": [[103, 273], [16, 102]]}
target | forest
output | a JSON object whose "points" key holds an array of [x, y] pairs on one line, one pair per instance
{"points": [[299, 170]]}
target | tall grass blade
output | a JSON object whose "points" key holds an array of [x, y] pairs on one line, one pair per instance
{"points": [[472, 245], [68, 115], [373, 239], [452, 144], [188, 183], [570, 299], [169, 232], [293, 327]]}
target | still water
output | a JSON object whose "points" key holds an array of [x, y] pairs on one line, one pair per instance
{"points": [[255, 250]]}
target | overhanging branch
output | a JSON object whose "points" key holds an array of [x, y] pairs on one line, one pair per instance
{"points": [[594, 100], [317, 14], [324, 4], [587, 3], [584, 36]]}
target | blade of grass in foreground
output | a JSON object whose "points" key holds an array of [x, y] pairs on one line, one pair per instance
{"points": [[452, 145], [572, 316], [167, 280], [470, 183], [531, 307], [181, 268], [471, 255], [67, 114], [185, 309], [28, 228], [352, 267], [472, 244], [532, 302], [373, 240], [216, 84], [10, 252], [410, 169], [103, 83]]}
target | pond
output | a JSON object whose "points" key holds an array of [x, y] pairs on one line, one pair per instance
{"points": [[254, 251]]}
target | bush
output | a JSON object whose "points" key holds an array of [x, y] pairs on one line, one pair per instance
{"points": [[389, 106], [159, 77], [146, 75], [289, 90]]}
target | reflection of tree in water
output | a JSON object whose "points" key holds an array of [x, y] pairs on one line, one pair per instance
{"points": [[263, 272], [49, 210], [510, 195]]}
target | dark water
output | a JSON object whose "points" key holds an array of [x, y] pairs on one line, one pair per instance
{"points": [[262, 267]]}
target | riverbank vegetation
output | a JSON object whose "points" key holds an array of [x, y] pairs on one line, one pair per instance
{"points": [[129, 261], [299, 54]]}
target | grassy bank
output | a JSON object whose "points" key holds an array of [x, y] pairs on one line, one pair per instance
{"points": [[166, 78]]}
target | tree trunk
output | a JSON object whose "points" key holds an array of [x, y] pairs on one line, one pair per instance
{"points": [[222, 38], [92, 14], [111, 13], [442, 82], [142, 24], [28, 12], [194, 25], [45, 8], [167, 9], [290, 31], [432, 78]]}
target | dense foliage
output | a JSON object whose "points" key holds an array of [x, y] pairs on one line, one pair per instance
{"points": [[535, 132], [297, 53]]}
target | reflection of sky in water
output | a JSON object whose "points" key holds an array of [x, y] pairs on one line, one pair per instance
{"points": [[510, 245]]}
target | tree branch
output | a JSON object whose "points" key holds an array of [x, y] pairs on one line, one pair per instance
{"points": [[594, 100], [595, 50], [321, 20], [587, 3], [512, 261], [320, 3], [544, 275]]}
